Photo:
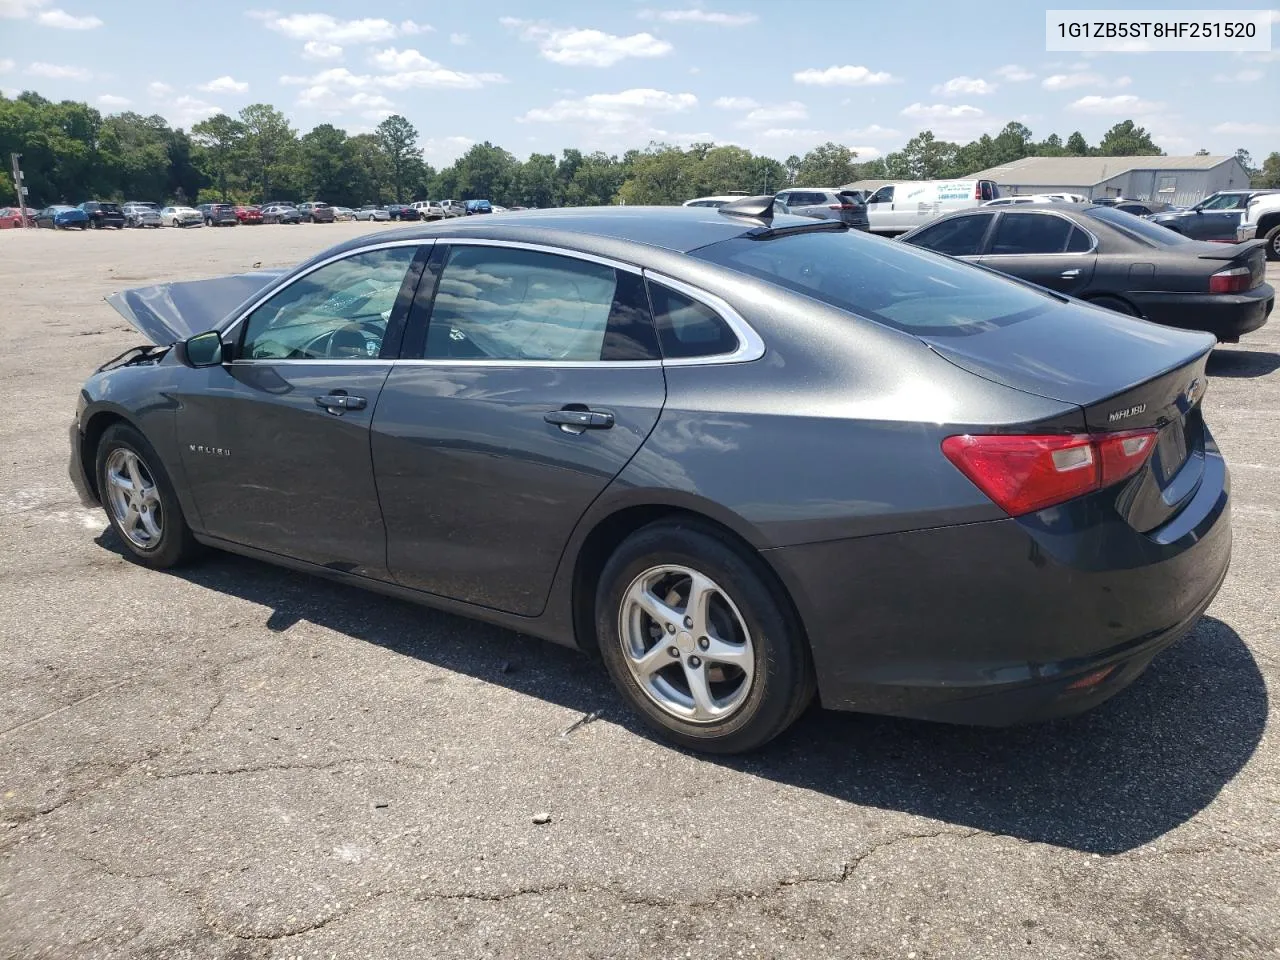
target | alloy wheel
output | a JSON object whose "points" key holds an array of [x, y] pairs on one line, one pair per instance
{"points": [[686, 644], [134, 499]]}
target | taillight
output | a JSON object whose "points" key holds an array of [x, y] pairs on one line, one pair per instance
{"points": [[1230, 281], [1023, 474], [977, 191]]}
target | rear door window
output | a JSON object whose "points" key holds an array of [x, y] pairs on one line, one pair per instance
{"points": [[1026, 233], [957, 237], [688, 328]]}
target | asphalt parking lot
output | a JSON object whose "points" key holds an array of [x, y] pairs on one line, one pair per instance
{"points": [[236, 761]]}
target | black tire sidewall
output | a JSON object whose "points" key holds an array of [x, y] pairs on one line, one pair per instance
{"points": [[782, 684], [175, 537], [1272, 238]]}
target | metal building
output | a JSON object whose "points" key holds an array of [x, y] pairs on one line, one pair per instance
{"points": [[1178, 180]]}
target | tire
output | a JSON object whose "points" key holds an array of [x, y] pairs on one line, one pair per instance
{"points": [[175, 544], [1273, 243], [744, 607], [95, 224], [1117, 305]]}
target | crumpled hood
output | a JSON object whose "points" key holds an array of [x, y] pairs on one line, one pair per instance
{"points": [[168, 312]]}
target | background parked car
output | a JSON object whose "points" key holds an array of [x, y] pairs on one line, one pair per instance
{"points": [[1213, 218], [825, 203], [429, 209], [181, 217], [278, 213], [1144, 208], [898, 207], [371, 211], [1114, 260], [316, 211], [1262, 221], [343, 213], [1030, 198], [11, 217], [453, 208], [141, 215], [61, 216], [474, 207], [403, 211], [218, 214], [103, 214], [248, 214], [278, 203]]}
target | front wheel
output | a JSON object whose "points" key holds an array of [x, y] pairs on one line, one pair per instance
{"points": [[1273, 243], [140, 501], [698, 641]]}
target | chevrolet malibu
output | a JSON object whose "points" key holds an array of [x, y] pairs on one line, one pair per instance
{"points": [[744, 459]]}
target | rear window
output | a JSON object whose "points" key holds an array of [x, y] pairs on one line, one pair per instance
{"points": [[896, 284], [1145, 230]]}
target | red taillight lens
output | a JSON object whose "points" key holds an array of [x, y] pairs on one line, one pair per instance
{"points": [[1234, 280], [1023, 474], [977, 191]]}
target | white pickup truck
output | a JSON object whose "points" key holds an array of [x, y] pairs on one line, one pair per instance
{"points": [[1261, 220]]}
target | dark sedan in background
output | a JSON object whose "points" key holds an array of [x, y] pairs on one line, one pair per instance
{"points": [[1114, 260], [62, 216], [219, 214], [102, 213], [1213, 218], [736, 456], [277, 213], [402, 211]]}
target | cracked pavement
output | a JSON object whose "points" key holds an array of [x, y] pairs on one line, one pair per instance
{"points": [[237, 761]]}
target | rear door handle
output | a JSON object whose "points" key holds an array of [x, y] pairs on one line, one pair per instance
{"points": [[576, 419], [336, 403], [1069, 274]]}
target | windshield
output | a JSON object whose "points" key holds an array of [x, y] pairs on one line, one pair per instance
{"points": [[1145, 230], [901, 286]]}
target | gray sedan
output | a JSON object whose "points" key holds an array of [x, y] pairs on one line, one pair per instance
{"points": [[741, 458]]}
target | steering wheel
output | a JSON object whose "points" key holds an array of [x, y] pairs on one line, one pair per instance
{"points": [[322, 346]]}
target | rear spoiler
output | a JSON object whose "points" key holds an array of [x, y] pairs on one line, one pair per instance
{"points": [[1232, 251]]}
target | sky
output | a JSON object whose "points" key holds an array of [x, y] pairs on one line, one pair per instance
{"points": [[776, 76]]}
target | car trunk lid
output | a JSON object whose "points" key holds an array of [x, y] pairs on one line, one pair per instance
{"points": [[168, 312], [1124, 374]]}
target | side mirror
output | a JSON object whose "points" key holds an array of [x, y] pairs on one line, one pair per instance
{"points": [[202, 350]]}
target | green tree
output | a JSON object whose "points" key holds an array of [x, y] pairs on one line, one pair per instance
{"points": [[399, 143], [1269, 175], [218, 140], [327, 165], [829, 165], [372, 181], [1246, 161], [1077, 146], [1011, 143], [536, 184], [1126, 139], [928, 158], [269, 147], [485, 172]]}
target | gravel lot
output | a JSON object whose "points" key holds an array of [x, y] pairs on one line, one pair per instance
{"points": [[238, 761]]}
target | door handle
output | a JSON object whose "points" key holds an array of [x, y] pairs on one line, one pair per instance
{"points": [[575, 419], [336, 403], [1069, 274]]}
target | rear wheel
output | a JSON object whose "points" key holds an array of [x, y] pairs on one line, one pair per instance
{"points": [[698, 642], [140, 502], [1273, 243], [1116, 304]]}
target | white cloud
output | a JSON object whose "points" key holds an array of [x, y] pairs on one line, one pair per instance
{"points": [[700, 16], [1071, 81], [942, 111], [323, 99], [735, 103], [322, 26], [624, 110], [961, 86], [185, 111], [459, 39], [1248, 129], [1125, 103], [1240, 76], [394, 61], [873, 132], [321, 50], [790, 133], [846, 76], [778, 113], [424, 73], [157, 89], [1014, 73], [6, 66], [19, 9], [411, 28], [65, 21], [442, 151], [57, 72], [572, 47], [224, 85], [110, 100]]}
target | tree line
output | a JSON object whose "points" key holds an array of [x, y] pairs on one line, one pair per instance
{"points": [[72, 152]]}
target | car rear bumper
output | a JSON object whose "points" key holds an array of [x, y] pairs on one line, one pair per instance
{"points": [[1227, 316], [1246, 231], [993, 623]]}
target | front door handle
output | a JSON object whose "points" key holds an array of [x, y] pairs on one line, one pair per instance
{"points": [[576, 418], [336, 403], [1069, 274]]}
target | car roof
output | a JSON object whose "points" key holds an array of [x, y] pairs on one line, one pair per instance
{"points": [[677, 229]]}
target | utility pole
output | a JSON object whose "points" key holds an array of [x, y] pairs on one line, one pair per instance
{"points": [[19, 187]]}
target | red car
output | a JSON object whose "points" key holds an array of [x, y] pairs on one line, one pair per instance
{"points": [[249, 214], [11, 217]]}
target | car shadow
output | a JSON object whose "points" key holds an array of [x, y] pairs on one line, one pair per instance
{"points": [[1241, 363], [1115, 778]]}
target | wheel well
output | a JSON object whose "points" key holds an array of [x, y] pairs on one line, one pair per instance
{"points": [[1113, 296], [1266, 222], [608, 535], [93, 431]]}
